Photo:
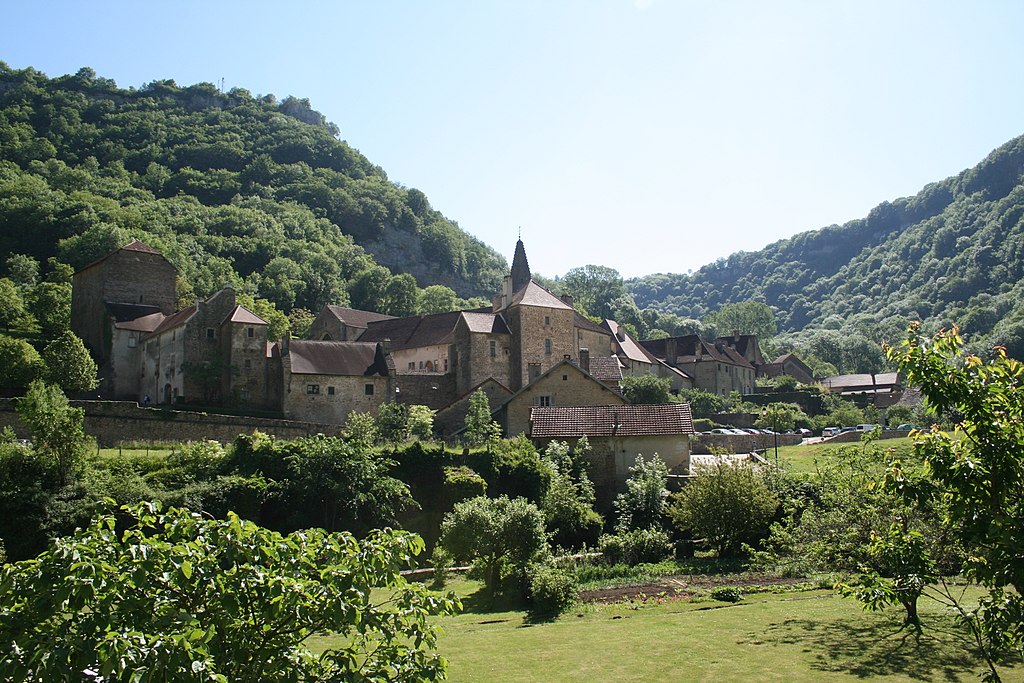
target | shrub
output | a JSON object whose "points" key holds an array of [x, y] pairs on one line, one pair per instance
{"points": [[635, 546], [552, 591], [726, 594]]}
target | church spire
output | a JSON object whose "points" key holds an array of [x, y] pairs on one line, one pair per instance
{"points": [[520, 268]]}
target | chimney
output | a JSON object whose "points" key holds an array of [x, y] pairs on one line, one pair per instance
{"points": [[568, 299], [386, 346], [286, 343], [585, 359]]}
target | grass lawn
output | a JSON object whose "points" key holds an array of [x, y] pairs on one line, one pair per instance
{"points": [[802, 458], [794, 636]]}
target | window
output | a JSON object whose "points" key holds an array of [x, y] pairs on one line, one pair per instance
{"points": [[412, 365], [547, 347], [248, 364], [209, 333], [493, 346], [547, 321], [243, 394], [133, 341], [368, 390], [330, 391], [446, 365], [250, 332], [421, 365], [565, 378], [534, 371], [312, 389], [544, 401]]}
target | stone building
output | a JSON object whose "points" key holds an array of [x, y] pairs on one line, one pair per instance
{"points": [[715, 367], [115, 300], [617, 435], [326, 380], [338, 323]]}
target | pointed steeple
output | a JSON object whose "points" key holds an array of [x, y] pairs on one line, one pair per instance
{"points": [[520, 268]]}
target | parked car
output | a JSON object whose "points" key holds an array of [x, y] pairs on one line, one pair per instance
{"points": [[721, 430], [847, 429], [906, 427], [868, 428], [803, 431], [829, 431]]}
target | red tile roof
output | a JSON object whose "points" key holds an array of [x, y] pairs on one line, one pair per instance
{"points": [[642, 420], [606, 369]]}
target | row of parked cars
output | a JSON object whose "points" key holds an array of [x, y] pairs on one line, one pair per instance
{"points": [[832, 431], [753, 432]]}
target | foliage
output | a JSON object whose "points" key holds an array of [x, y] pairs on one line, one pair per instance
{"points": [[642, 504], [594, 289], [176, 596], [635, 546], [702, 403], [729, 506], [499, 536], [12, 307], [393, 422], [646, 389], [57, 428], [551, 591], [50, 304], [726, 594], [421, 422], [780, 417], [568, 502], [20, 363], [69, 365], [513, 467], [361, 429], [745, 317], [479, 427], [977, 476]]}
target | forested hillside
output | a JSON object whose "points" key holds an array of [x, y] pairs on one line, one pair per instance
{"points": [[952, 254], [231, 187]]}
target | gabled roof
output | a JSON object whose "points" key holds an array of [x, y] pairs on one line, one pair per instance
{"points": [[582, 321], [690, 348], [145, 323], [487, 323], [241, 314], [629, 347], [134, 245], [174, 320], [535, 295], [336, 358], [353, 317], [626, 420], [606, 369], [415, 331], [123, 312]]}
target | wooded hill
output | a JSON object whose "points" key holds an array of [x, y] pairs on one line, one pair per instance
{"points": [[231, 187], [954, 253]]}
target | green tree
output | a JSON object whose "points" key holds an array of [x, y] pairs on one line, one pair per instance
{"points": [[20, 363], [480, 428], [703, 403], [23, 270], [57, 428], [393, 422], [12, 307], [499, 536], [977, 476], [642, 504], [596, 289], [646, 389], [780, 417], [728, 505], [437, 299], [176, 596], [568, 502], [50, 303], [69, 365], [747, 317], [421, 422]]}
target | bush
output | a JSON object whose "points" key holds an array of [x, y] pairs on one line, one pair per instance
{"points": [[552, 591], [635, 546], [726, 594], [703, 424], [727, 505]]}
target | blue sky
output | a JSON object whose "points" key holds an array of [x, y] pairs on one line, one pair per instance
{"points": [[645, 135]]}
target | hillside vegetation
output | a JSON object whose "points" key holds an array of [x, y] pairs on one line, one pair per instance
{"points": [[954, 253], [233, 188]]}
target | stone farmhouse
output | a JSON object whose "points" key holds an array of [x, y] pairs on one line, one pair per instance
{"points": [[528, 349]]}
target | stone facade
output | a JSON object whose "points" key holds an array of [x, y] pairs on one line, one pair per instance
{"points": [[328, 399], [563, 385]]}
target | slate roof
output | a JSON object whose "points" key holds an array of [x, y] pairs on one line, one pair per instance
{"points": [[595, 421], [580, 320], [687, 348], [535, 295], [336, 358], [415, 331], [488, 323], [145, 323], [353, 317], [629, 347], [241, 314], [606, 369]]}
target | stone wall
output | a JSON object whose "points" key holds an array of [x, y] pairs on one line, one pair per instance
{"points": [[567, 385], [735, 443], [114, 422]]}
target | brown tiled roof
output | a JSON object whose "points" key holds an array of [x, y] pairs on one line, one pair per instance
{"points": [[535, 295], [353, 317], [336, 358], [488, 323], [629, 346], [687, 348], [606, 369], [415, 331], [241, 314], [174, 320], [640, 420]]}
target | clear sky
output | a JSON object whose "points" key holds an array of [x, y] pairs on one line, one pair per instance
{"points": [[645, 135]]}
